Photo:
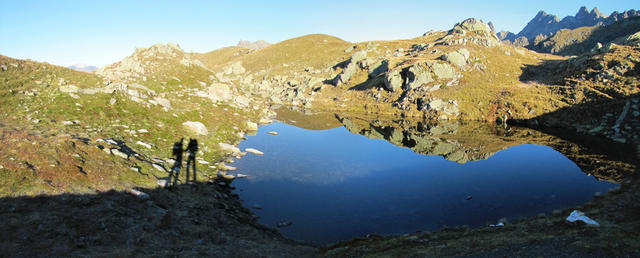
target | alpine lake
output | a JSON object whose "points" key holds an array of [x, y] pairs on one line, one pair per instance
{"points": [[326, 177]]}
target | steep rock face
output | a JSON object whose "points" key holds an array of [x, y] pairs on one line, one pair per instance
{"points": [[583, 39], [544, 24]]}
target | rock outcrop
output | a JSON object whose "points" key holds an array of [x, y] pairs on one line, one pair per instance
{"points": [[544, 25]]}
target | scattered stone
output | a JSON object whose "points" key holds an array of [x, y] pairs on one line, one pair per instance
{"points": [[273, 133], [229, 148], [241, 175], [226, 167], [4, 67], [254, 151], [144, 144], [284, 223], [579, 216], [264, 121], [196, 127], [158, 167], [162, 182], [119, 153], [139, 194]]}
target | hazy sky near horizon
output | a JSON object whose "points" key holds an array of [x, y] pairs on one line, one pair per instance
{"points": [[102, 32]]}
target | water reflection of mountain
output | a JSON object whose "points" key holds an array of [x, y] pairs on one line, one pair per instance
{"points": [[470, 141]]}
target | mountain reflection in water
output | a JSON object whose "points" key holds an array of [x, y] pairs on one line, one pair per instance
{"points": [[335, 184]]}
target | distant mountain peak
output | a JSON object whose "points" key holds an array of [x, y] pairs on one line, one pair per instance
{"points": [[258, 44], [544, 25], [83, 67]]}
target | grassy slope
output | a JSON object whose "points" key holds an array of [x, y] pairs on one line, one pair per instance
{"points": [[215, 58], [44, 113]]}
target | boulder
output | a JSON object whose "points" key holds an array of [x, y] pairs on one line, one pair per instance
{"points": [[346, 74], [144, 144], [163, 102], [379, 67], [4, 67], [228, 148], [119, 153], [219, 92], [393, 80], [251, 126], [196, 127], [455, 58], [358, 56], [417, 75], [442, 70], [254, 151]]}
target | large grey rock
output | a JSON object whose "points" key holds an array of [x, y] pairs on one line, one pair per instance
{"points": [[379, 67], [346, 74], [464, 52], [358, 56], [393, 80], [417, 75], [251, 126], [242, 101], [442, 70], [196, 127], [458, 58], [4, 67]]}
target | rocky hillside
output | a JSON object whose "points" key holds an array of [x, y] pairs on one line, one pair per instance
{"points": [[577, 41], [544, 25], [120, 122]]}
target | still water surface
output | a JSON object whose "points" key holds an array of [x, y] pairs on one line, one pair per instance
{"points": [[335, 185]]}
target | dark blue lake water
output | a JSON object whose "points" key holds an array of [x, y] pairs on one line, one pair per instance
{"points": [[335, 185]]}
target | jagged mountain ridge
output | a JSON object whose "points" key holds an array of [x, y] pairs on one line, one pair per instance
{"points": [[544, 24]]}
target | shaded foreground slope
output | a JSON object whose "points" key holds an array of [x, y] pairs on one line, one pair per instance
{"points": [[203, 219]]}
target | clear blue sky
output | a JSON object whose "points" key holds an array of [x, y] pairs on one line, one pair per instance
{"points": [[102, 32]]}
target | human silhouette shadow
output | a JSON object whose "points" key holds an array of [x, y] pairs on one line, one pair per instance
{"points": [[192, 149], [175, 170]]}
